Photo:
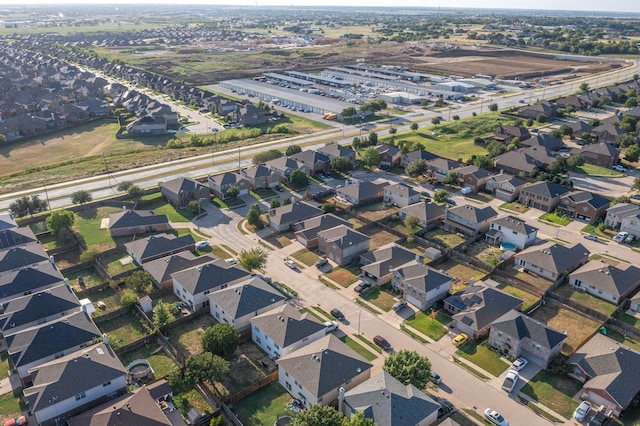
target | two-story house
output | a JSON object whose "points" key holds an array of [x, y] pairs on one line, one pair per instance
{"points": [[389, 155], [361, 193], [285, 165], [468, 220], [584, 205], [608, 282], [620, 211], [284, 217], [306, 231], [440, 167], [472, 177], [428, 214], [315, 161], [342, 244], [421, 285], [542, 195], [505, 187], [511, 230], [261, 177], [220, 184], [400, 195], [419, 154], [377, 264], [600, 154], [336, 150], [181, 191], [551, 260]]}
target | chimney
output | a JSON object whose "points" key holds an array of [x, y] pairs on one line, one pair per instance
{"points": [[51, 260], [340, 399], [105, 339], [472, 281], [10, 214], [124, 208]]}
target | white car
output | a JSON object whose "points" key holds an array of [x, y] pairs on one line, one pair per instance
{"points": [[290, 263], [581, 412], [495, 417], [202, 245], [619, 168], [331, 325], [510, 381], [232, 260], [519, 364], [620, 237]]}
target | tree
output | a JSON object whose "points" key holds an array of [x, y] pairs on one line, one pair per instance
{"points": [[81, 197], [298, 178], [575, 161], [358, 419], [328, 207], [205, 367], [566, 130], [636, 183], [558, 165], [621, 199], [435, 121], [286, 201], [451, 178], [232, 192], [263, 157], [253, 216], [412, 221], [292, 149], [124, 185], [541, 118], [373, 138], [140, 281], [393, 130], [162, 314], [253, 258], [370, 157], [493, 107], [340, 164], [416, 168], [274, 203], [135, 192], [633, 153], [28, 206], [584, 88], [440, 196], [408, 367], [217, 421], [59, 220], [221, 339], [89, 255], [318, 415], [414, 126], [483, 162], [128, 298]]}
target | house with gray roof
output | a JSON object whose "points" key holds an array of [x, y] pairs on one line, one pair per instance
{"points": [[388, 402], [609, 372], [506, 134], [157, 246], [516, 335], [616, 213], [400, 195], [584, 205], [551, 260], [194, 284], [220, 184], [261, 177], [11, 237], [42, 343], [284, 217], [21, 256], [476, 307], [473, 177], [543, 140], [599, 154], [428, 214], [505, 187], [285, 165], [7, 221], [544, 108], [161, 269], [511, 230], [377, 264], [334, 150], [74, 383], [440, 167], [608, 282], [342, 244], [316, 161], [306, 231], [183, 190], [468, 220], [421, 285], [238, 303], [419, 154], [314, 373], [362, 192], [285, 329], [543, 195], [30, 279], [131, 222], [389, 155]]}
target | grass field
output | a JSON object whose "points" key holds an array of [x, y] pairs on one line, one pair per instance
{"points": [[483, 357], [590, 169], [555, 392], [435, 328], [306, 257]]}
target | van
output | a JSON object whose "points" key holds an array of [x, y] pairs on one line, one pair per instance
{"points": [[398, 306], [382, 342]]}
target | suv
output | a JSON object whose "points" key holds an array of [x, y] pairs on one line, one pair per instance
{"points": [[398, 306], [602, 416], [510, 381], [361, 287], [337, 314], [320, 263], [382, 342]]}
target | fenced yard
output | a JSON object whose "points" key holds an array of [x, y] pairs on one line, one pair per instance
{"points": [[88, 227], [445, 238], [161, 363], [186, 337], [484, 252], [540, 283], [125, 329], [379, 237], [376, 211], [585, 299], [109, 297], [244, 370], [263, 406], [528, 298], [90, 277], [461, 274]]}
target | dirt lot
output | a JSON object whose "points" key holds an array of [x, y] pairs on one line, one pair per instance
{"points": [[379, 237]]}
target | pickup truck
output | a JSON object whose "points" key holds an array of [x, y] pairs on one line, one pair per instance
{"points": [[602, 416]]}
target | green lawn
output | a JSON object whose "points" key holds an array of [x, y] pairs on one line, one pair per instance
{"points": [[448, 239], [342, 276], [114, 266], [90, 276], [11, 405], [514, 207], [585, 299], [358, 348], [88, 227], [554, 218], [306, 256], [624, 317], [174, 215], [263, 406], [109, 297], [125, 329], [4, 366], [188, 397], [161, 363], [483, 357], [553, 391], [435, 328], [590, 169], [380, 297], [528, 298], [369, 343]]}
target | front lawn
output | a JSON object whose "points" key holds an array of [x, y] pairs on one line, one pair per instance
{"points": [[590, 169], [553, 391], [483, 357], [279, 240], [342, 276], [435, 328], [358, 348], [555, 219], [514, 207], [380, 297], [306, 256], [11, 405], [263, 406]]}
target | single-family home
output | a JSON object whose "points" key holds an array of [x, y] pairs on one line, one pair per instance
{"points": [[7, 221], [400, 195], [516, 335], [579, 128], [285, 165], [30, 279], [75, 383], [315, 161], [334, 150], [635, 303], [543, 140], [364, 192], [618, 212], [157, 246], [429, 214], [421, 285], [220, 184], [342, 244], [440, 167], [544, 108], [476, 307], [389, 155], [542, 195], [238, 303], [131, 222], [161, 269], [511, 230], [285, 329], [552, 260], [505, 187], [306, 231], [181, 191], [419, 154], [506, 134], [584, 205], [631, 224], [377, 264], [22, 256], [468, 220], [607, 133], [314, 373], [147, 125], [194, 284], [284, 217], [599, 154], [14, 236], [472, 177], [609, 372], [261, 177], [608, 282], [520, 162], [388, 402]]}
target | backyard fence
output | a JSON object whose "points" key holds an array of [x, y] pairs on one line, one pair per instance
{"points": [[251, 388]]}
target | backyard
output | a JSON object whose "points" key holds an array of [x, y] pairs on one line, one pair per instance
{"points": [[445, 238], [90, 278], [433, 327], [187, 337], [462, 274], [263, 406], [87, 226], [161, 363], [174, 215], [528, 298], [379, 237], [484, 252], [553, 391], [109, 297], [125, 329], [244, 369], [376, 211], [586, 299]]}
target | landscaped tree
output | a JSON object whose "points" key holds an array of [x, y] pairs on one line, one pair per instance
{"points": [[221, 339], [636, 183], [541, 118], [358, 419], [566, 130], [89, 255], [633, 153], [274, 203], [435, 121], [28, 206], [373, 138], [205, 367], [124, 185], [493, 107], [81, 197], [414, 126], [140, 281], [286, 201], [483, 162], [253, 216], [584, 88], [59, 220], [328, 207], [408, 367], [128, 298], [440, 196], [340, 164], [135, 192], [348, 113], [575, 161], [298, 178], [416, 168], [232, 192], [318, 415], [292, 149], [412, 221], [370, 157], [253, 258], [162, 314], [451, 178]]}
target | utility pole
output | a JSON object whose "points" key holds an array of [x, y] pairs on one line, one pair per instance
{"points": [[46, 194], [106, 167], [238, 159]]}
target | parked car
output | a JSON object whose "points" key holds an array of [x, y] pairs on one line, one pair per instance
{"points": [[602, 416], [425, 195], [630, 239], [202, 245], [590, 237], [496, 418], [232, 260], [320, 263], [451, 201], [620, 237], [619, 168], [635, 196], [291, 264], [331, 325], [22, 420], [460, 339], [382, 342], [510, 381], [435, 377], [361, 287], [519, 364], [267, 280], [337, 314], [581, 412], [279, 188], [398, 306]]}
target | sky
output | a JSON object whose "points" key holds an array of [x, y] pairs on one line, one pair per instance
{"points": [[584, 5]]}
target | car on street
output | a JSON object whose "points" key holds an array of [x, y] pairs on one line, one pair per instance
{"points": [[581, 412], [425, 195], [635, 196], [435, 377], [202, 245], [496, 418], [519, 364], [619, 168], [232, 260], [620, 237], [630, 239], [451, 201], [361, 287], [460, 339], [591, 237], [510, 381], [337, 314], [331, 325], [290, 263], [279, 188], [382, 342]]}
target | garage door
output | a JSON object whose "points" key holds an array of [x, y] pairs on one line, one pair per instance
{"points": [[534, 359], [244, 192]]}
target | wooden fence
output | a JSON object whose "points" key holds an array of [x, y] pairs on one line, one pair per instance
{"points": [[251, 388]]}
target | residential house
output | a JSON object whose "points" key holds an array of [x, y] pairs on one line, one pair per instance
{"points": [[12, 237], [181, 191], [220, 184], [362, 192], [22, 256], [580, 128], [584, 205], [609, 372], [472, 177], [161, 269], [131, 222], [261, 177], [617, 212], [578, 102], [505, 187], [238, 303], [282, 218], [421, 285], [377, 264], [551, 261], [635, 303], [157, 246], [419, 154], [342, 244], [506, 134], [314, 373], [599, 154], [543, 141], [306, 231], [468, 220], [147, 125], [285, 329], [524, 161], [285, 165], [428, 214], [631, 224], [315, 161], [476, 307], [30, 279], [45, 342], [248, 114], [7, 221], [607, 133], [74, 383], [388, 402], [440, 167], [194, 284], [544, 108], [511, 230], [608, 282], [516, 335], [336, 150], [400, 195], [389, 155], [543, 195]]}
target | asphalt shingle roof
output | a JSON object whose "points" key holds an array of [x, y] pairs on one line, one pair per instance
{"points": [[246, 297], [210, 276], [343, 236], [519, 326], [286, 325], [618, 280], [21, 256], [161, 269], [159, 244], [554, 257]]}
